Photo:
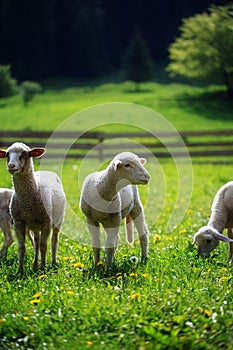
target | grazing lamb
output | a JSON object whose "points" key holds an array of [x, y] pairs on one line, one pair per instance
{"points": [[38, 203], [208, 237], [111, 195]]}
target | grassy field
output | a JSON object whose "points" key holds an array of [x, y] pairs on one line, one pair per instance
{"points": [[175, 300], [185, 106]]}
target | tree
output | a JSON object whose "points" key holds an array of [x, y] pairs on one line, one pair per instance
{"points": [[29, 89], [137, 62], [7, 83], [205, 46]]}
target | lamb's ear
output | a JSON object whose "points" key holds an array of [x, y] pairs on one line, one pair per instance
{"points": [[143, 161], [2, 153], [116, 163], [223, 238], [36, 152]]}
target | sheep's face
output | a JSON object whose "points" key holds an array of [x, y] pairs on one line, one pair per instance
{"points": [[130, 168], [207, 239], [205, 242], [18, 157]]}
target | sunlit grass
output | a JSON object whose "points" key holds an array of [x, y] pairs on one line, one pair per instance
{"points": [[185, 106], [175, 301]]}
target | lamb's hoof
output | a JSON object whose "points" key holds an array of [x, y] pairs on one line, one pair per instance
{"points": [[144, 260], [20, 271], [35, 267]]}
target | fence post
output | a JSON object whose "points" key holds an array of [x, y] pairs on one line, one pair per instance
{"points": [[101, 138]]}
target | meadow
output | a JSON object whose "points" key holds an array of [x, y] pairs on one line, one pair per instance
{"points": [[174, 301]]}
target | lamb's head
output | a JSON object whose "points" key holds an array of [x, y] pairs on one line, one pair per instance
{"points": [[207, 239], [128, 166], [19, 157]]}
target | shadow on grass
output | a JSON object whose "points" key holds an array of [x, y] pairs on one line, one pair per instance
{"points": [[213, 105]]}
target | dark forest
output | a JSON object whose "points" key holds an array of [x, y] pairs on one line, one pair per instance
{"points": [[85, 39]]}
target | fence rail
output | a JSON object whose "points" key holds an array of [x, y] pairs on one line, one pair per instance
{"points": [[72, 144]]}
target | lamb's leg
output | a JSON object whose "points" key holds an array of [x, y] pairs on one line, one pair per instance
{"points": [[230, 235], [30, 236], [94, 230], [36, 250], [20, 230], [142, 230], [43, 244], [8, 237], [111, 244], [54, 244]]}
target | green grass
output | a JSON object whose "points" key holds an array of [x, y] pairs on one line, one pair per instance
{"points": [[185, 106], [175, 301]]}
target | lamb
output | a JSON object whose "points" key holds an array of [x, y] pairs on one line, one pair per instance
{"points": [[38, 203], [5, 219], [208, 237], [109, 196]]}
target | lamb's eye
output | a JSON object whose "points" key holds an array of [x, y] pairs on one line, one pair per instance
{"points": [[23, 155], [208, 240], [127, 165]]}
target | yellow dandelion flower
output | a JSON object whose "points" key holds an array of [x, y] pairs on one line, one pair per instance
{"points": [[135, 296], [224, 278], [124, 255], [41, 277], [2, 320], [156, 238], [183, 231], [209, 270], [223, 270], [206, 326], [66, 258], [190, 211], [79, 265], [70, 292], [145, 275], [132, 274], [26, 318], [35, 301], [207, 313], [89, 343], [119, 277], [169, 238], [37, 295], [100, 263]]}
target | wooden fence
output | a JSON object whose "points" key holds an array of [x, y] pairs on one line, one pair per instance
{"points": [[211, 145]]}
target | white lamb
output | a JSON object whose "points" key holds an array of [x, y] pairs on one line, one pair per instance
{"points": [[5, 219], [208, 237], [109, 196], [38, 203]]}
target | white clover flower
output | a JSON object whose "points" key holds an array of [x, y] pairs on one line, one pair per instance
{"points": [[134, 259], [117, 288]]}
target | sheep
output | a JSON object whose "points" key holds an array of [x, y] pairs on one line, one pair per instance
{"points": [[207, 238], [6, 220], [111, 195], [38, 203]]}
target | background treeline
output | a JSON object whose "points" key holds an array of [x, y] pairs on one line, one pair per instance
{"points": [[85, 39]]}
